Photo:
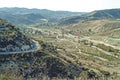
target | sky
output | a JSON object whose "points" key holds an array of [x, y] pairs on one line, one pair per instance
{"points": [[65, 5]]}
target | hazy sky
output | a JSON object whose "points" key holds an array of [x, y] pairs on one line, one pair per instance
{"points": [[69, 5]]}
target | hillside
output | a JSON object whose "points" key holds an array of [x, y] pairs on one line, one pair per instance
{"points": [[94, 27], [95, 15], [12, 40], [104, 14]]}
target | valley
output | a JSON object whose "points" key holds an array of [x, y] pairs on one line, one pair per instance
{"points": [[59, 45], [91, 52]]}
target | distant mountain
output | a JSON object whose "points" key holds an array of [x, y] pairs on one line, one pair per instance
{"points": [[30, 16], [104, 14], [95, 15], [22, 18], [69, 20]]}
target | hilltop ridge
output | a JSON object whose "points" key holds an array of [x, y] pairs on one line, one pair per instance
{"points": [[31, 16]]}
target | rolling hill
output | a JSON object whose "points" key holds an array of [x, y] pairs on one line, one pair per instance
{"points": [[95, 27], [95, 15], [31, 16]]}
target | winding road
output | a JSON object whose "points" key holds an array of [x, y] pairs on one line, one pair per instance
{"points": [[36, 48]]}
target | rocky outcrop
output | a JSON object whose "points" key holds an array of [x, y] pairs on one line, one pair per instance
{"points": [[12, 40]]}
